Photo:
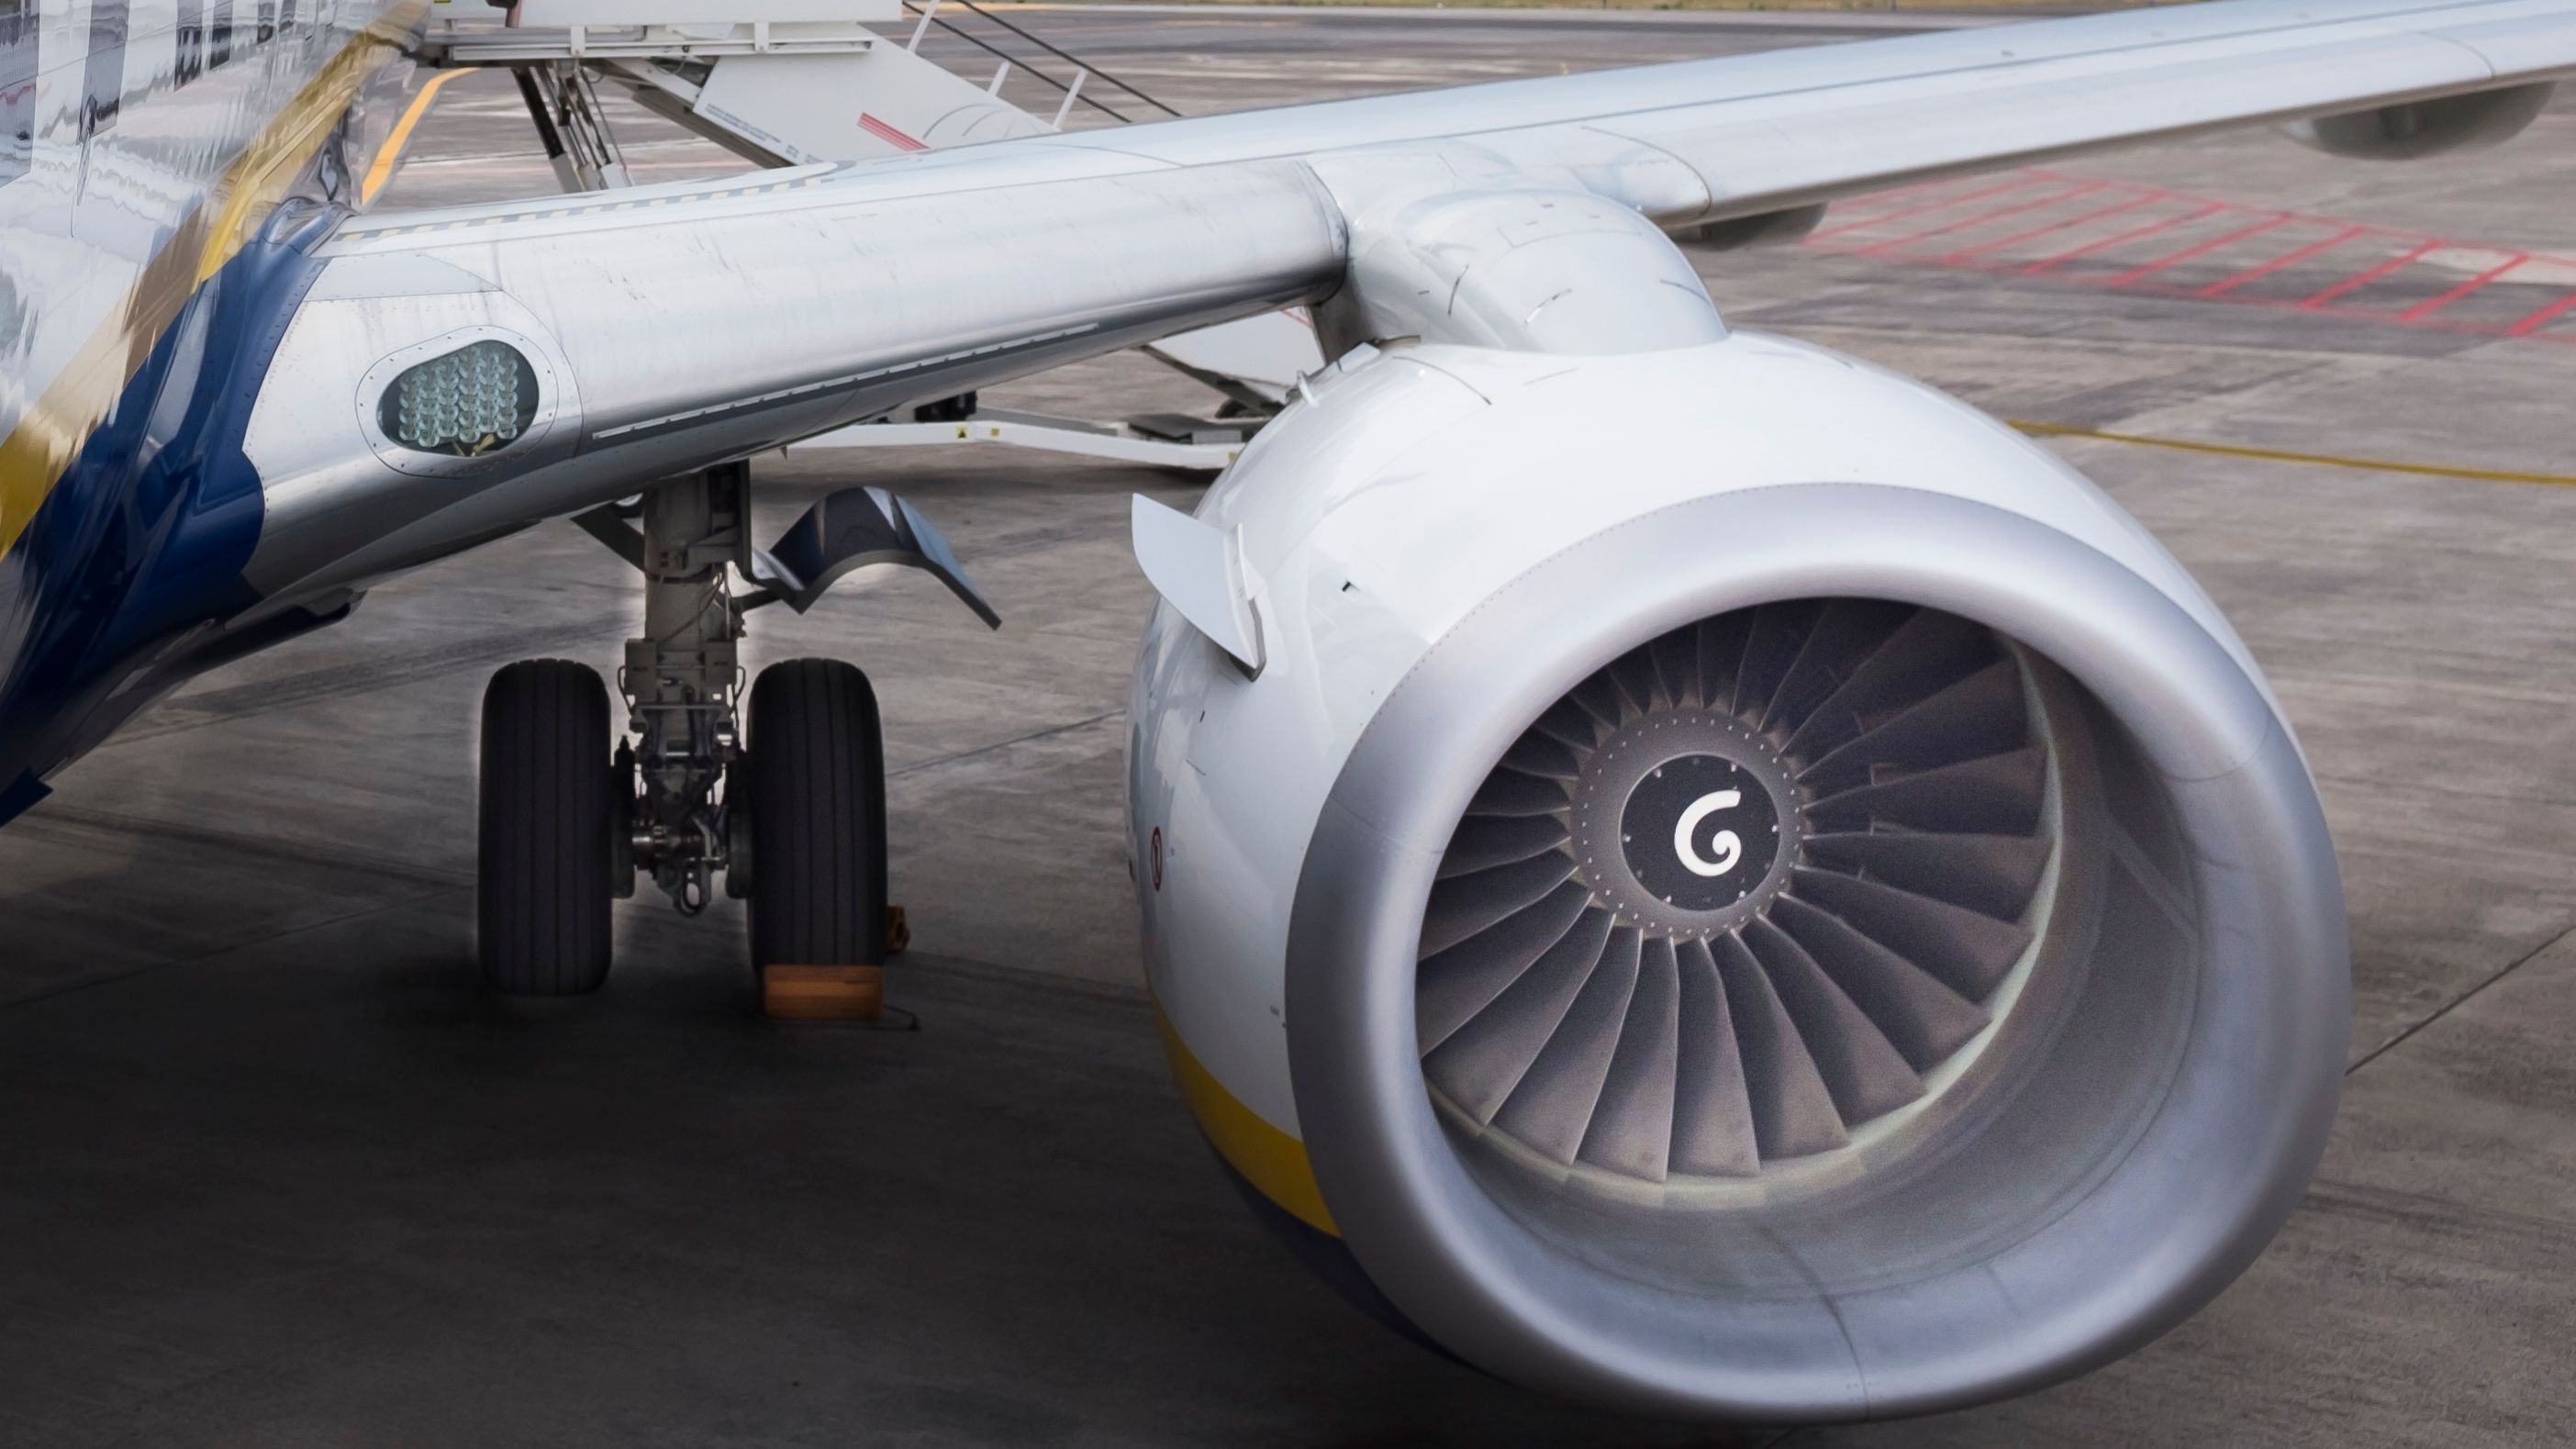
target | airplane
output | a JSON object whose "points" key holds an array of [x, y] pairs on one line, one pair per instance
{"points": [[1802, 912]]}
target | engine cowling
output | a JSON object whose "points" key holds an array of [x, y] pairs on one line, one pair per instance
{"points": [[1740, 887], [2412, 130]]}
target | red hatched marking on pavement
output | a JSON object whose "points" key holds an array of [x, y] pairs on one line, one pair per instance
{"points": [[2219, 251], [1881, 202], [2201, 249], [2286, 259], [1937, 203], [2368, 275], [2543, 318], [1898, 244], [2117, 208], [2153, 228], [2422, 310]]}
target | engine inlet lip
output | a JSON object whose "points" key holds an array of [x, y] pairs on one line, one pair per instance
{"points": [[2192, 1197]]}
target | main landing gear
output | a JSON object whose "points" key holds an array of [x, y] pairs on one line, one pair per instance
{"points": [[788, 806]]}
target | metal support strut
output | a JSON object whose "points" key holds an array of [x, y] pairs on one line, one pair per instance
{"points": [[563, 101], [683, 681]]}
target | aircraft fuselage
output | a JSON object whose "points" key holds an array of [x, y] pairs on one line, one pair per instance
{"points": [[163, 163]]}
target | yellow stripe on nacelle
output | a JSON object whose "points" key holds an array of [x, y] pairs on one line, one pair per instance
{"points": [[1271, 1160]]}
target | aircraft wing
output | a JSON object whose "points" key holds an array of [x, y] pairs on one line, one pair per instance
{"points": [[1702, 140], [675, 327]]}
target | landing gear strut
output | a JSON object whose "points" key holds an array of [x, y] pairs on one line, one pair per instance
{"points": [[790, 812], [681, 683]]}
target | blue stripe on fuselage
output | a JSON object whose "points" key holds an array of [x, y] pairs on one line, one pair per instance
{"points": [[136, 556]]}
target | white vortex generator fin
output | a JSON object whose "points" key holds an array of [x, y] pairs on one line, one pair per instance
{"points": [[1201, 572]]}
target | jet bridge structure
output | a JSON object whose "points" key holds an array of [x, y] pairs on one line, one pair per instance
{"points": [[799, 82]]}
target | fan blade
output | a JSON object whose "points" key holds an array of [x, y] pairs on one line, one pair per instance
{"points": [[1486, 841], [1450, 988], [1844, 636], [1537, 754], [1599, 697], [1712, 1110], [1861, 1067], [1925, 1020], [2000, 793], [1927, 653], [1634, 673], [1793, 1114], [1721, 656], [1568, 724], [1677, 666], [1509, 792], [1632, 1126], [1481, 1062], [1552, 1106], [1769, 648], [1979, 715], [1464, 905], [1995, 874], [1970, 953]]}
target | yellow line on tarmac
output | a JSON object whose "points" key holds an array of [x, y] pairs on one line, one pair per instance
{"points": [[382, 170], [2273, 455]]}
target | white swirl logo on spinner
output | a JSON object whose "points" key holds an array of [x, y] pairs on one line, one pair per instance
{"points": [[1728, 845], [1699, 833]]}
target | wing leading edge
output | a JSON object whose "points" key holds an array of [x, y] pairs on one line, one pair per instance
{"points": [[1741, 135]]}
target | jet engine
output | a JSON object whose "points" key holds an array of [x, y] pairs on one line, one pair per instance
{"points": [[1721, 882]]}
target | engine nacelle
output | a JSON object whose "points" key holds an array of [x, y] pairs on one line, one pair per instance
{"points": [[1763, 229], [1739, 886], [2412, 130]]}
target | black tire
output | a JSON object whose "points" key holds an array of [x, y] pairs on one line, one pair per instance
{"points": [[549, 831], [818, 832]]}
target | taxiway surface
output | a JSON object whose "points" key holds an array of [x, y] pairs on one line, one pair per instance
{"points": [[271, 1173]]}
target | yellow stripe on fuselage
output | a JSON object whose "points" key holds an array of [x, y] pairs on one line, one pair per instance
{"points": [[49, 435], [1271, 1160]]}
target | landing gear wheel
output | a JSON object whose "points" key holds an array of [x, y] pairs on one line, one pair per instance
{"points": [[818, 831], [549, 831]]}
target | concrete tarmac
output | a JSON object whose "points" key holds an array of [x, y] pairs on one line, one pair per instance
{"points": [[272, 1173]]}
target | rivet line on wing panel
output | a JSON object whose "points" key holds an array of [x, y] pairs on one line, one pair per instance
{"points": [[849, 380], [562, 212]]}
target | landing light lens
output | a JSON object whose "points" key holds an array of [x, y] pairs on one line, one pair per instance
{"points": [[475, 400]]}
